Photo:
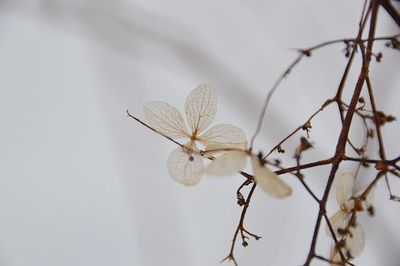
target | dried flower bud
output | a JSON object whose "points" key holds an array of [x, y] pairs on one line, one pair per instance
{"points": [[379, 57], [381, 166], [303, 146], [381, 118], [371, 210], [280, 150]]}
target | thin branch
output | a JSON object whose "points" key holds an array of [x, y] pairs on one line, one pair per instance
{"points": [[152, 129], [269, 95], [392, 11], [300, 177], [304, 166], [240, 228], [342, 140]]}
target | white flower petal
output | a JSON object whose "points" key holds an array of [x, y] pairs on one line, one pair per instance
{"points": [[338, 220], [344, 188], [269, 181], [200, 107], [223, 136], [227, 164], [185, 168], [166, 119], [355, 242]]}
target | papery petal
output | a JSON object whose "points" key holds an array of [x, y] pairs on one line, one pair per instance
{"points": [[269, 181], [227, 164], [185, 167], [335, 256], [355, 242], [344, 188], [338, 220], [200, 107], [166, 119], [223, 136]]}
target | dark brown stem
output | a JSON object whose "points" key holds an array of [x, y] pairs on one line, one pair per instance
{"points": [[391, 11], [304, 166], [342, 140], [240, 228]]}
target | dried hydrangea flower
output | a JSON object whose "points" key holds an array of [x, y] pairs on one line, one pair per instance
{"points": [[348, 231], [185, 164]]}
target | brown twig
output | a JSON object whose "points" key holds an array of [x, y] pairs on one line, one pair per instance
{"points": [[342, 140], [240, 228], [152, 129]]}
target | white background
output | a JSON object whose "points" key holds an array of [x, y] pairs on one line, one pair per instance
{"points": [[82, 184]]}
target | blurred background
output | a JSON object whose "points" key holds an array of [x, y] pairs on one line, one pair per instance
{"points": [[82, 184]]}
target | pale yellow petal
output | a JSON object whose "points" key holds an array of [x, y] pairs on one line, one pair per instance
{"points": [[166, 119], [184, 167], [338, 221], [344, 188], [355, 242], [200, 107], [223, 136], [227, 164], [335, 256], [268, 181]]}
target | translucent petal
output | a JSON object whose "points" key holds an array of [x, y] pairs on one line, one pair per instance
{"points": [[184, 167], [200, 107], [227, 164], [166, 119], [338, 220], [355, 242], [269, 181], [344, 188], [223, 136], [335, 256]]}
